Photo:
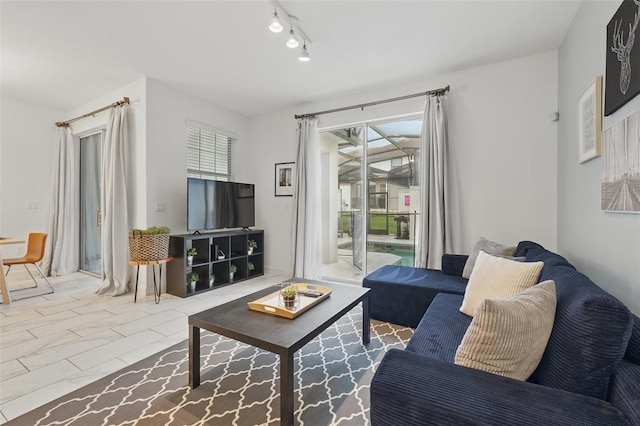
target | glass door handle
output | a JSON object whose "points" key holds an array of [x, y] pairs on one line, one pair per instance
{"points": [[98, 223]]}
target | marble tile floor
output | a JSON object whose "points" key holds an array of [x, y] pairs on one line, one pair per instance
{"points": [[53, 344]]}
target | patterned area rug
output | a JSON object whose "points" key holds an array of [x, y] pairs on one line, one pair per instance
{"points": [[239, 384]]}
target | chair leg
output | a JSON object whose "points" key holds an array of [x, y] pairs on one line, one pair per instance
{"points": [[34, 280], [24, 288], [45, 278], [32, 277]]}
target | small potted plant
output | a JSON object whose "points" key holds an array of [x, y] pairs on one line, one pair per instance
{"points": [[232, 270], [289, 295], [251, 244], [212, 279], [192, 279], [190, 254], [251, 267]]}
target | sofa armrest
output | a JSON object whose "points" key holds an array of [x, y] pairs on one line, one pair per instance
{"points": [[411, 389], [453, 264]]}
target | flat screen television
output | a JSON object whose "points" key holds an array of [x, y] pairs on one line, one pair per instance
{"points": [[215, 204]]}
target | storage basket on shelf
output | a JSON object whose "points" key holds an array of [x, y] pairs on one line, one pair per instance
{"points": [[149, 244]]}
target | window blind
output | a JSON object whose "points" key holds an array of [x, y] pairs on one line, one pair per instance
{"points": [[208, 154]]}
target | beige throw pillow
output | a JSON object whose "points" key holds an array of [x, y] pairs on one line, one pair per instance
{"points": [[497, 278], [487, 246], [508, 337]]}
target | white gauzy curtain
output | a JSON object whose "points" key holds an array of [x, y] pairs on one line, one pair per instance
{"points": [[59, 256], [307, 243], [434, 236], [115, 217]]}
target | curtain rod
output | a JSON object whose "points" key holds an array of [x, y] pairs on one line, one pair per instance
{"points": [[437, 92], [124, 101]]}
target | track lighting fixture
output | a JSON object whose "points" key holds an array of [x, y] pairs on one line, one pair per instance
{"points": [[304, 54], [295, 32], [276, 25], [293, 40]]}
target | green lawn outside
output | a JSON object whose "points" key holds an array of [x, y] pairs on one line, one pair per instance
{"points": [[377, 222]]}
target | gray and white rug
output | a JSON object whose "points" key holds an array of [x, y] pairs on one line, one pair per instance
{"points": [[239, 384]]}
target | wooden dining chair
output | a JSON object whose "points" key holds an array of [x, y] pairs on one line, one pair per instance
{"points": [[35, 253]]}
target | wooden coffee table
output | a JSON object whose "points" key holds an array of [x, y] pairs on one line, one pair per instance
{"points": [[279, 335]]}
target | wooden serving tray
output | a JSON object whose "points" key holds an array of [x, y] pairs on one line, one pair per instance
{"points": [[273, 304]]}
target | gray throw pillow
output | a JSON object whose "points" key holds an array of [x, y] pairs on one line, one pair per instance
{"points": [[490, 247]]}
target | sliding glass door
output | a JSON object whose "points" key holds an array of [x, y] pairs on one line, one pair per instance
{"points": [[377, 189], [90, 203]]}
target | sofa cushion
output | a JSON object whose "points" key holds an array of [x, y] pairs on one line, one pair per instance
{"points": [[453, 264], [633, 349], [401, 294], [589, 337], [497, 278], [487, 246], [508, 337], [441, 329], [624, 392], [534, 252]]}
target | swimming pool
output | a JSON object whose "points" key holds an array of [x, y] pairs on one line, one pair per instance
{"points": [[407, 255]]}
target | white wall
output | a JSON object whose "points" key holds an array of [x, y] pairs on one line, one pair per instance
{"points": [[502, 139], [604, 246], [27, 140], [166, 157]]}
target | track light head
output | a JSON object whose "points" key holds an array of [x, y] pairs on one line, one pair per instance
{"points": [[276, 25], [304, 54], [293, 40]]}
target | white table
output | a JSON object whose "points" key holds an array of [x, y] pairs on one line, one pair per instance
{"points": [[3, 283]]}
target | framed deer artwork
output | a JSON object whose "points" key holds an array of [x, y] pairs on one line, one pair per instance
{"points": [[622, 81]]}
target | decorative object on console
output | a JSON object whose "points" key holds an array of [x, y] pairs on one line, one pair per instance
{"points": [[508, 337], [620, 188], [498, 278], [192, 279], [488, 246], [251, 245], [232, 271], [190, 255], [590, 121], [622, 61], [284, 178]]}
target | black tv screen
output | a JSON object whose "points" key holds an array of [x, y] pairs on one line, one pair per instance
{"points": [[214, 204]]}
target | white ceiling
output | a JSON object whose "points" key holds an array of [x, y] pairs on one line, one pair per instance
{"points": [[63, 54]]}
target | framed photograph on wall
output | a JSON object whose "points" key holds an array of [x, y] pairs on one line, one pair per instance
{"points": [[590, 121], [621, 166], [285, 179], [622, 57]]}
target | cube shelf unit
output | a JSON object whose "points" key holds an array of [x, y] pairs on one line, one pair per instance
{"points": [[217, 251]]}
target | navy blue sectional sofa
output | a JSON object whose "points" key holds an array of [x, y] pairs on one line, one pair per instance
{"points": [[588, 375]]}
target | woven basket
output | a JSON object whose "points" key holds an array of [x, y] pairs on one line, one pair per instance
{"points": [[148, 247]]}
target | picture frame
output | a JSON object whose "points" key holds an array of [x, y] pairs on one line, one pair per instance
{"points": [[590, 121], [620, 186], [622, 59], [284, 179]]}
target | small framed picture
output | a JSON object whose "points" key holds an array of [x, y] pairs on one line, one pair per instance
{"points": [[285, 179], [590, 121]]}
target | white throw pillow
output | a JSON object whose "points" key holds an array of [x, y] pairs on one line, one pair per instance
{"points": [[487, 246], [497, 278], [508, 337]]}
